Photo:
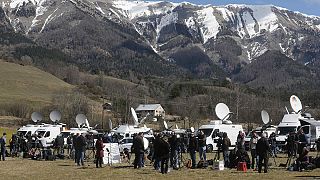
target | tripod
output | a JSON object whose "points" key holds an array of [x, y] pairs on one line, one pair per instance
{"points": [[217, 155]]}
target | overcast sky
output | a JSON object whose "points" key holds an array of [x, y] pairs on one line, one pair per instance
{"points": [[310, 7]]}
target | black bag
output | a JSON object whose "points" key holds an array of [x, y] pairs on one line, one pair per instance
{"points": [[51, 158], [202, 164], [210, 162]]}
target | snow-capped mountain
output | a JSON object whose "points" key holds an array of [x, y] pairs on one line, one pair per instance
{"points": [[229, 36]]}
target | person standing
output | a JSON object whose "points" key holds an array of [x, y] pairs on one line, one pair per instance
{"points": [[164, 154], [3, 140], [80, 147], [173, 142], [193, 146], [226, 143], [156, 147], [272, 139], [202, 145], [240, 140], [253, 149], [99, 152], [263, 149], [302, 142], [138, 149]]}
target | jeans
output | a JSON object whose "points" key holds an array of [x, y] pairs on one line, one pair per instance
{"points": [[226, 159], [157, 162], [254, 158], [263, 158], [80, 157], [164, 165], [138, 160], [202, 153], [3, 153], [193, 158], [174, 159]]}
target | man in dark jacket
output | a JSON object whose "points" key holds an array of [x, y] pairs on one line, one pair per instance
{"points": [[174, 149], [193, 146], [202, 145], [164, 154], [156, 158], [225, 149], [80, 147], [302, 142], [263, 149], [138, 149], [3, 146]]}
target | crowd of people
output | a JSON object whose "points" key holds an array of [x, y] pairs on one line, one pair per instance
{"points": [[166, 150]]}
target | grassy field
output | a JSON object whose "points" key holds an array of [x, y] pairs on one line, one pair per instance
{"points": [[66, 169], [27, 83]]}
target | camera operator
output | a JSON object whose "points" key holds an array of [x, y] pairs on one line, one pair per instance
{"points": [[193, 146], [219, 145], [290, 144], [202, 145], [253, 148], [302, 142]]}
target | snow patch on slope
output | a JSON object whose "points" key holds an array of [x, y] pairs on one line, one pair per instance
{"points": [[210, 26], [166, 20]]}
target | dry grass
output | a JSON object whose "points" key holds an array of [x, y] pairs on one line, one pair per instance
{"points": [[26, 83], [66, 169]]}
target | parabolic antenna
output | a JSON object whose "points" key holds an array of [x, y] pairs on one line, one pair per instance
{"points": [[81, 119], [135, 117], [192, 129], [295, 103], [36, 117], [222, 111], [265, 117], [165, 124], [55, 116], [177, 126]]}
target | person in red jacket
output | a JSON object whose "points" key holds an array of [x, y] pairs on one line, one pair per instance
{"points": [[99, 152]]}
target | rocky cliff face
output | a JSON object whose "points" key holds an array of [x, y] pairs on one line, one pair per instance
{"points": [[182, 38]]}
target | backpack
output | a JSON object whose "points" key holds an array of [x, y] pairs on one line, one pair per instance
{"points": [[189, 164]]}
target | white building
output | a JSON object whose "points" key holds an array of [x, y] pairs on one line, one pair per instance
{"points": [[152, 109]]}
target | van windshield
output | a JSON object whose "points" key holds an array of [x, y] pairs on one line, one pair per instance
{"points": [[286, 130], [207, 132]]}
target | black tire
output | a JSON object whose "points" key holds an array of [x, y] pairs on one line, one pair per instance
{"points": [[209, 148]]}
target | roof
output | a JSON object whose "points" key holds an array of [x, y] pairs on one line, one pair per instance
{"points": [[147, 107], [311, 122]]}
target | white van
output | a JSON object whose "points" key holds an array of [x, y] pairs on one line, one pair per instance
{"points": [[214, 128], [28, 129], [48, 133]]}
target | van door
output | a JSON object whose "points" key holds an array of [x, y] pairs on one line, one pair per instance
{"points": [[307, 131]]}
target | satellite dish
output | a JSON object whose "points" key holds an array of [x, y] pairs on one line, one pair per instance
{"points": [[135, 117], [36, 117], [222, 111], [145, 143], [295, 103], [177, 126], [265, 117], [110, 124], [55, 116], [165, 124], [81, 119]]}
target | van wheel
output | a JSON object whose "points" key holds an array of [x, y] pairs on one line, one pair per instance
{"points": [[209, 148]]}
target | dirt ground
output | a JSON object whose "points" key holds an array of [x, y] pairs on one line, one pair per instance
{"points": [[18, 168]]}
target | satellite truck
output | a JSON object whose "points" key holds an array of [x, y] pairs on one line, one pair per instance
{"points": [[127, 131], [48, 132], [215, 127], [30, 129], [293, 122], [266, 128], [83, 127]]}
